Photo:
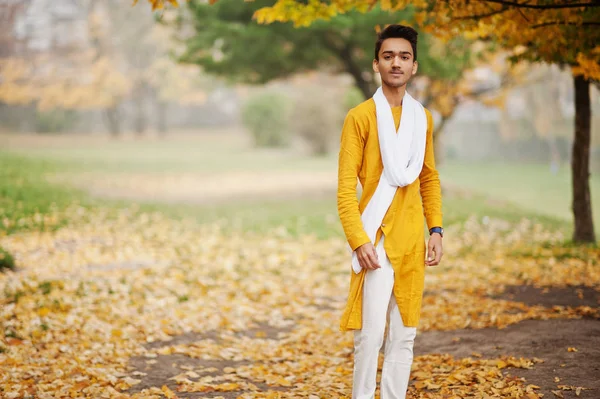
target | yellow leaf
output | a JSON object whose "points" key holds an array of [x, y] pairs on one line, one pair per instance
{"points": [[168, 393], [116, 332], [43, 311]]}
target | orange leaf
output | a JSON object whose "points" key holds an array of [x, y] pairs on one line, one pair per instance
{"points": [[14, 341]]}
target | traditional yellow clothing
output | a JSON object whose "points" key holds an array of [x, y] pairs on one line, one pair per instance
{"points": [[403, 223]]}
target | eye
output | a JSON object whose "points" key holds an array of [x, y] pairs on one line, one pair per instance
{"points": [[387, 57], [405, 58]]}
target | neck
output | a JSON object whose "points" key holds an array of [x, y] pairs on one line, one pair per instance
{"points": [[394, 95]]}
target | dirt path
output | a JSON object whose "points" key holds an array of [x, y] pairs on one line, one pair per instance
{"points": [[203, 189], [568, 350], [548, 340]]}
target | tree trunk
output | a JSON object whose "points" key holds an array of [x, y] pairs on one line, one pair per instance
{"points": [[366, 88], [437, 142], [344, 52], [140, 121], [112, 119], [580, 164], [26, 118], [161, 117], [554, 154]]}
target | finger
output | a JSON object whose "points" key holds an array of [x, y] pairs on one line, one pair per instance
{"points": [[365, 262], [362, 262], [430, 254], [374, 259], [370, 263], [438, 254]]}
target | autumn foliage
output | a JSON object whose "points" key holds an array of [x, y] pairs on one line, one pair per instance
{"points": [[551, 31], [106, 289]]}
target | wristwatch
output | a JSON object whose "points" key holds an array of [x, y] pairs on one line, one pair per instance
{"points": [[439, 230]]}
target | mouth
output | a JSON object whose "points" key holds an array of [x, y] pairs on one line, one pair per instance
{"points": [[397, 73]]}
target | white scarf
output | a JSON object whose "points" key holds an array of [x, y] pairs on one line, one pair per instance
{"points": [[402, 155]]}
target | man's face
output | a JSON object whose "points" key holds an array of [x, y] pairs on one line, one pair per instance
{"points": [[396, 63]]}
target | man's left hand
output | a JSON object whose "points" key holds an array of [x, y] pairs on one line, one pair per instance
{"points": [[434, 250]]}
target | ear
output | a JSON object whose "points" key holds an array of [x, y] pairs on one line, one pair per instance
{"points": [[415, 67], [375, 66]]}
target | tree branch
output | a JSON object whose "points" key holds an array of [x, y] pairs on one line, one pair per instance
{"points": [[541, 6], [500, 11], [590, 23], [344, 54], [523, 14]]}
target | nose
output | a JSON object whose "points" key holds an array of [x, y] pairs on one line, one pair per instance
{"points": [[396, 61]]}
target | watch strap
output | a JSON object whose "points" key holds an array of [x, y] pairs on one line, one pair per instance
{"points": [[439, 230]]}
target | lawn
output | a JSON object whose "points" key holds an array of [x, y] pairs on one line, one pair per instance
{"points": [[531, 187], [240, 298], [27, 196], [175, 176]]}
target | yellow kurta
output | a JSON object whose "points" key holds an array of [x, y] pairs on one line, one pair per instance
{"points": [[403, 224]]}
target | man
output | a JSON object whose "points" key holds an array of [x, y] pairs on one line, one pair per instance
{"points": [[386, 143]]}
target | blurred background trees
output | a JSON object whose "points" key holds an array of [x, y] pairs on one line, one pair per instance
{"points": [[554, 31], [74, 64], [228, 42], [505, 80]]}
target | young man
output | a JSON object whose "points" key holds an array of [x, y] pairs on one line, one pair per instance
{"points": [[386, 143]]}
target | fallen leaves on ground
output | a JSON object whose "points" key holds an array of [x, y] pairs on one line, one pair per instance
{"points": [[89, 297]]}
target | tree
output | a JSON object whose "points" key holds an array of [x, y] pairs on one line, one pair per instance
{"points": [[115, 56], [227, 41], [563, 33], [160, 4], [62, 72], [143, 47], [552, 31]]}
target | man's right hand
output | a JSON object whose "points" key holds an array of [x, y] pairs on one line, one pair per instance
{"points": [[367, 256]]}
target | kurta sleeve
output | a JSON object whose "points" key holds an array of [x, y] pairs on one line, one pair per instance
{"points": [[431, 191], [350, 161]]}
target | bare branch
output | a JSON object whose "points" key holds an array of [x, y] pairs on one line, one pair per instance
{"points": [[490, 14], [544, 6], [551, 23]]}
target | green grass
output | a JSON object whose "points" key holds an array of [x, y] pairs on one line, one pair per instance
{"points": [[318, 215], [201, 154], [25, 196], [531, 187], [6, 260], [24, 193]]}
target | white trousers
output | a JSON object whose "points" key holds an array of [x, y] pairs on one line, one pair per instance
{"points": [[379, 305]]}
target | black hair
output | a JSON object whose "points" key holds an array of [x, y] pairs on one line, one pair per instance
{"points": [[397, 31]]}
